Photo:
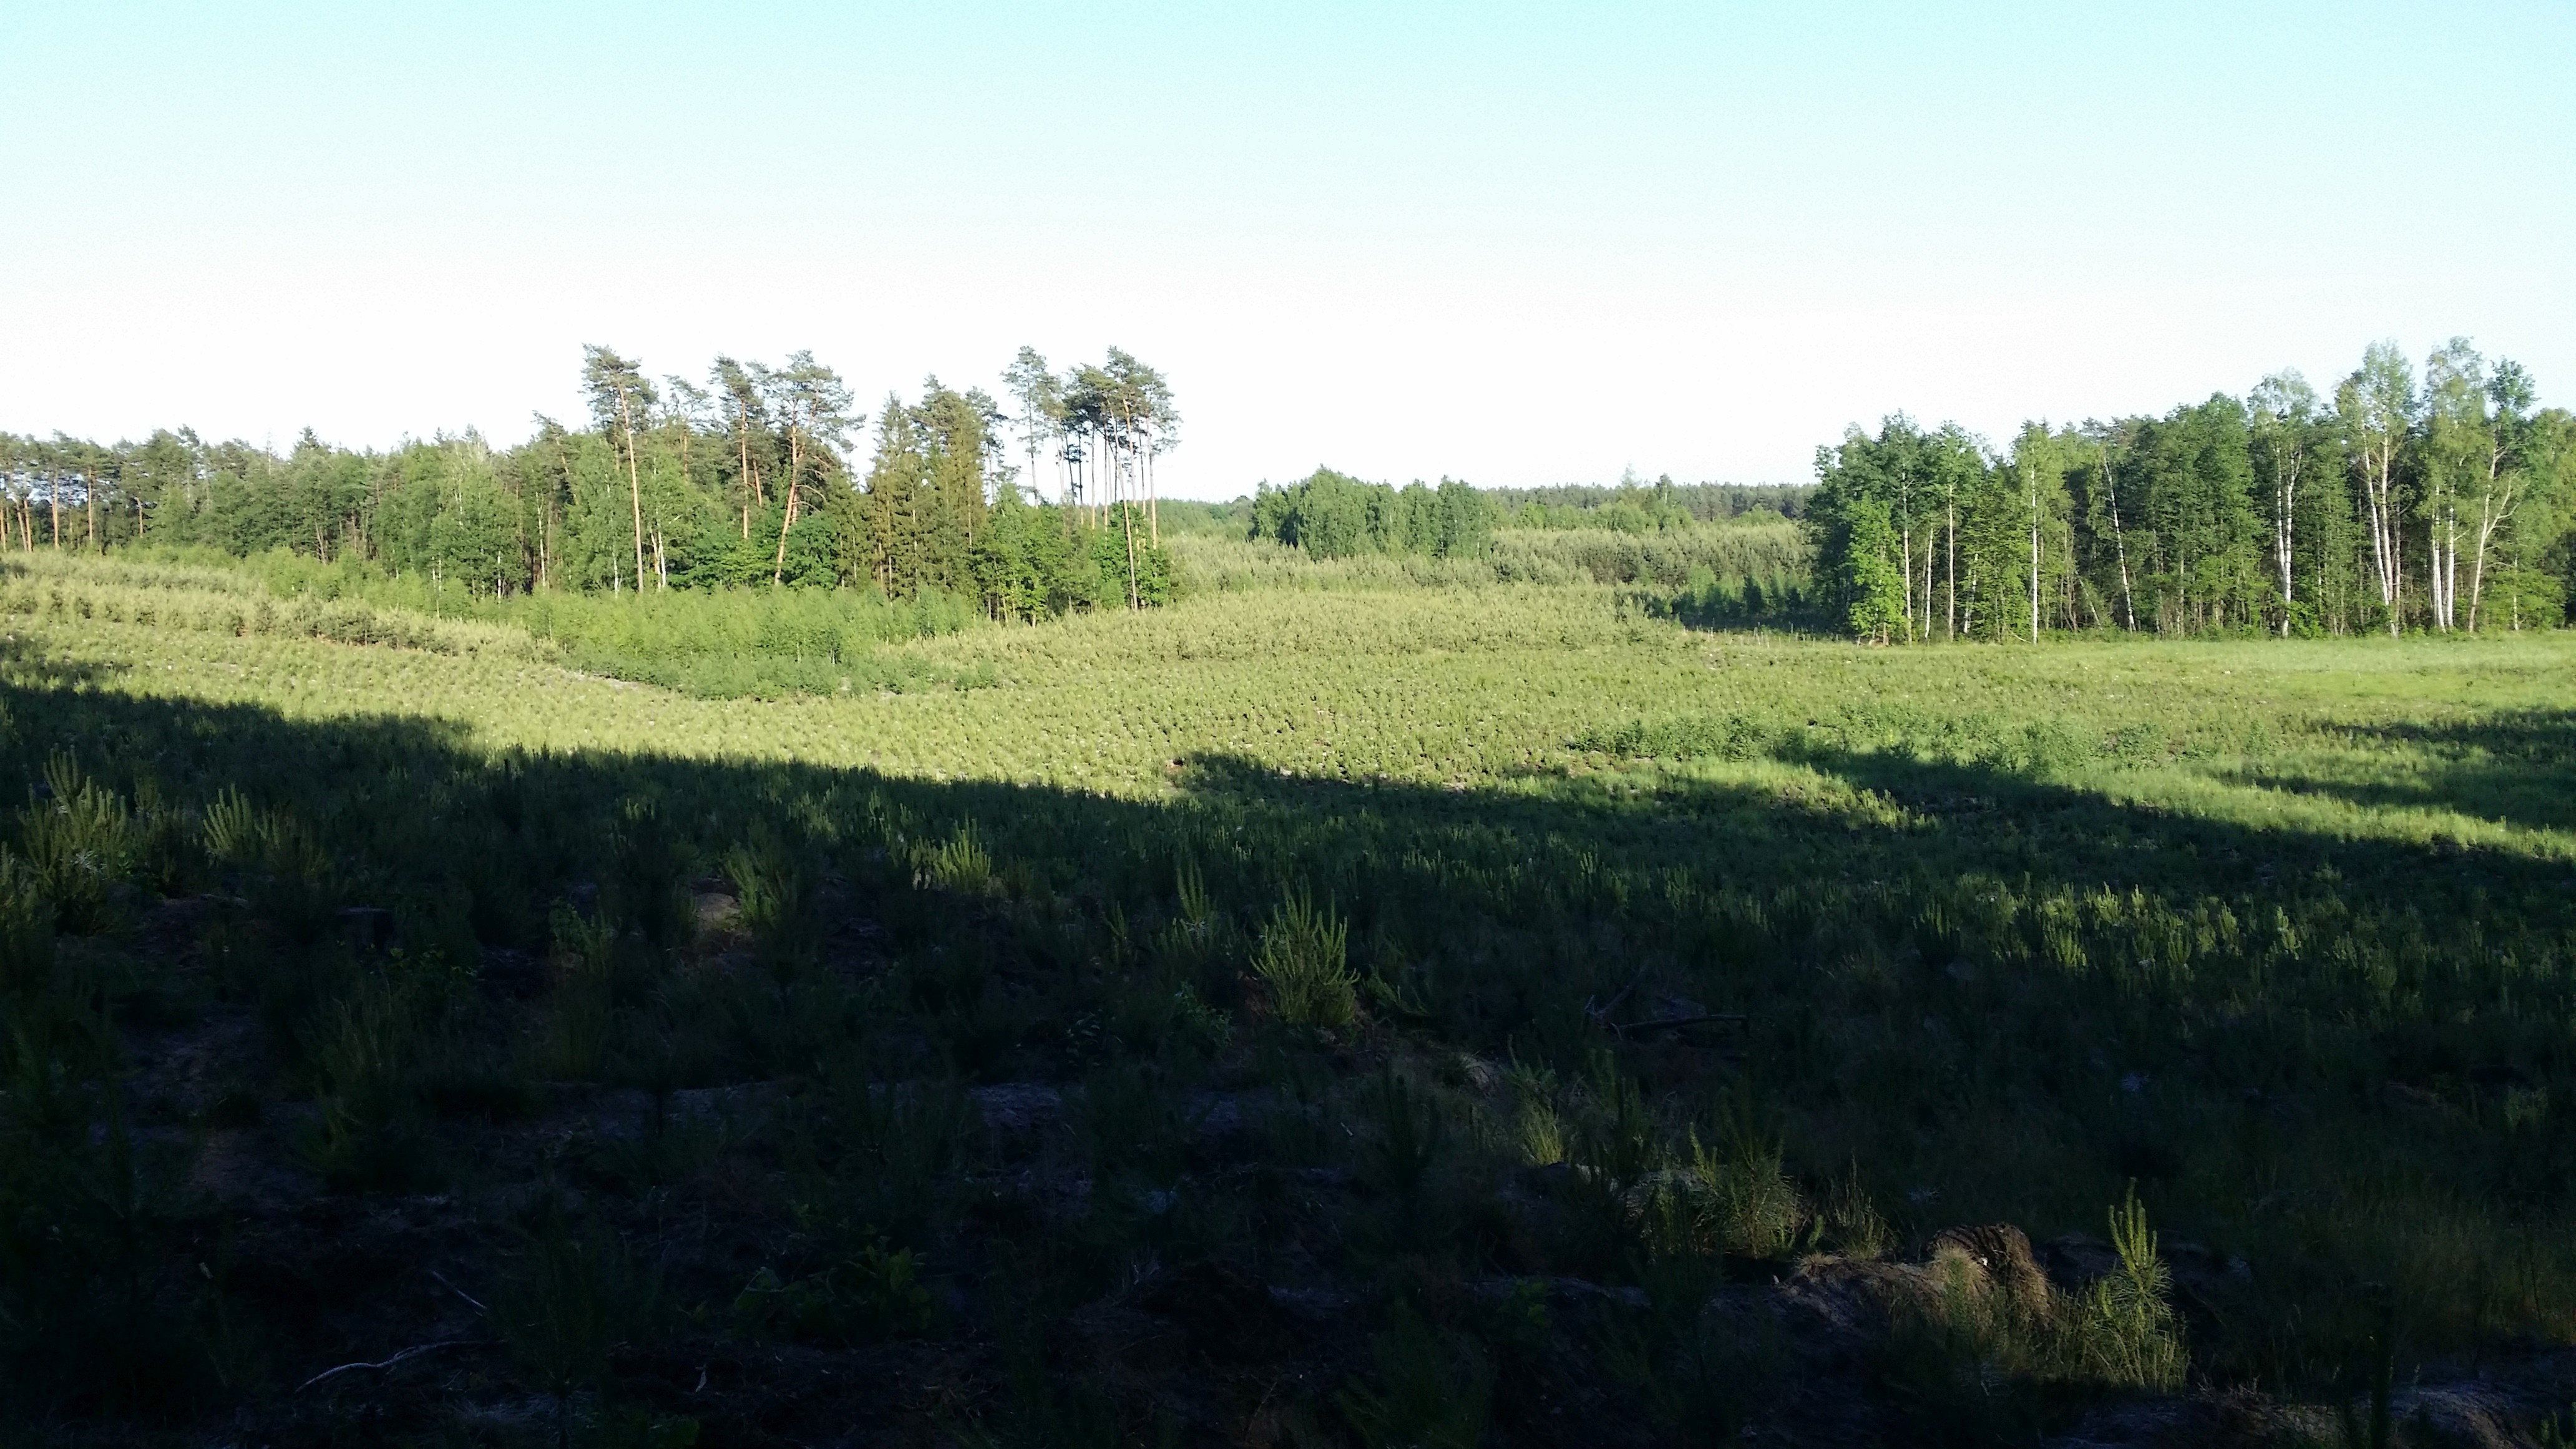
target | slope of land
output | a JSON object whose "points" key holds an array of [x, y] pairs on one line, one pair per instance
{"points": [[1435, 1015]]}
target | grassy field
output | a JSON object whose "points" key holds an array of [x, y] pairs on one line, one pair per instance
{"points": [[1494, 977]]}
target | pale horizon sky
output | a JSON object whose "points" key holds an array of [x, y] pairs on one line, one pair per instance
{"points": [[1518, 244]]}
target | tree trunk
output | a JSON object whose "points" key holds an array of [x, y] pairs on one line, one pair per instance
{"points": [[2119, 544], [1128, 517], [2284, 500], [2379, 491], [634, 484], [2495, 506], [795, 477], [2030, 481]]}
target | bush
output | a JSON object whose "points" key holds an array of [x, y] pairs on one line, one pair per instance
{"points": [[1429, 1390], [81, 842], [1988, 1349], [873, 1295], [364, 1055], [575, 1296], [2127, 1333], [776, 891], [1303, 963]]}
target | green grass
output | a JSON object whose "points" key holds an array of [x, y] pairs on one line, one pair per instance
{"points": [[2280, 932], [728, 644]]}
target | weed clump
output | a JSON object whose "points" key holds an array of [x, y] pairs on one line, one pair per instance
{"points": [[575, 1294], [1304, 964], [1986, 1348], [82, 843], [1426, 1389]]}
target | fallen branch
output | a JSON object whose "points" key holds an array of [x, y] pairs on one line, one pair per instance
{"points": [[1600, 1014], [410, 1353], [1733, 1018], [459, 1292]]}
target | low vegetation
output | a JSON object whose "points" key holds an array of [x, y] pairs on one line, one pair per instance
{"points": [[1479, 1013]]}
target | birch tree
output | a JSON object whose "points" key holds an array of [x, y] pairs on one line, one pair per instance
{"points": [[2376, 407], [2458, 456], [2284, 418]]}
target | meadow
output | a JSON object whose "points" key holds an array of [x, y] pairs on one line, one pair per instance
{"points": [[1387, 1003]]}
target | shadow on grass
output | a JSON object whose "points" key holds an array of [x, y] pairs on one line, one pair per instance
{"points": [[1983, 995], [2514, 767]]}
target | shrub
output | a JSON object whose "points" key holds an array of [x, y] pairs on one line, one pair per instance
{"points": [[647, 889], [1303, 962], [958, 864], [1749, 1204], [575, 1295], [872, 1295], [2127, 1333], [777, 897], [1429, 1390], [363, 1051], [26, 932], [82, 844], [1988, 1349]]}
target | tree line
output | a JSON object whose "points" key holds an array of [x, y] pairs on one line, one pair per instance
{"points": [[2439, 500], [752, 477], [1331, 514], [1632, 506]]}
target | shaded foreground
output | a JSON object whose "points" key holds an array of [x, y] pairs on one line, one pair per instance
{"points": [[365, 1086]]}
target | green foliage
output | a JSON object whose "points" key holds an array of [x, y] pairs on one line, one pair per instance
{"points": [[777, 894], [574, 1294], [1685, 737], [959, 863], [1427, 1390], [2278, 513], [1333, 515], [1304, 964], [2130, 1335], [82, 844], [92, 1320], [1871, 579], [27, 918], [735, 643], [862, 1299], [1987, 1349], [1411, 1134], [646, 889], [364, 1051], [1697, 1375], [1747, 1204], [1791, 946]]}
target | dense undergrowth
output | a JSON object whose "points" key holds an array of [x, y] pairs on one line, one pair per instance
{"points": [[1695, 561], [722, 644], [1204, 976]]}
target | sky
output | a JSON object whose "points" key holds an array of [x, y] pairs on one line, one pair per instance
{"points": [[1512, 243]]}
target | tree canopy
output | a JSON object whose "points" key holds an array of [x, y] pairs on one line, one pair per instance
{"points": [[753, 478], [2440, 503]]}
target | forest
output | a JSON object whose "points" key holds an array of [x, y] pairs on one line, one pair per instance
{"points": [[2441, 500], [754, 478], [2436, 501]]}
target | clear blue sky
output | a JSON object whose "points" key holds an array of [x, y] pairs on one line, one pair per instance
{"points": [[1514, 243]]}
